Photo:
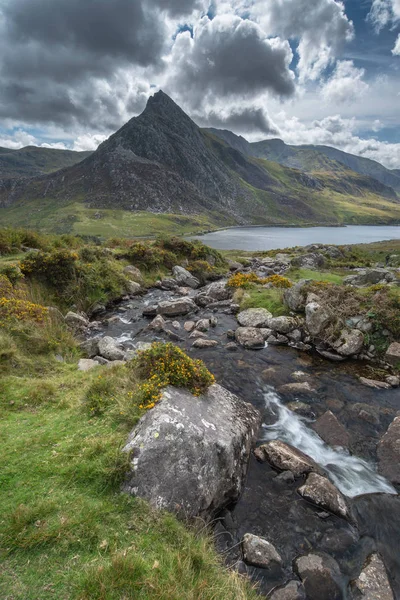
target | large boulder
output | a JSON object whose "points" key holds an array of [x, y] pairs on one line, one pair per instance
{"points": [[392, 355], [320, 491], [321, 577], [369, 277], [259, 552], [184, 277], [331, 430], [76, 321], [318, 317], [133, 288], [133, 274], [293, 590], [190, 453], [250, 337], [108, 348], [284, 457], [295, 297], [174, 308], [219, 290], [254, 317], [309, 261], [349, 343], [389, 452], [373, 582], [283, 324]]}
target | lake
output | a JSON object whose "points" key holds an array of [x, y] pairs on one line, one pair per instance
{"points": [[271, 238]]}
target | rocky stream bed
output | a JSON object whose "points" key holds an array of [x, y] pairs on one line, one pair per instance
{"points": [[312, 541]]}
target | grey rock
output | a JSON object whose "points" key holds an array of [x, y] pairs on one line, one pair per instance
{"points": [[234, 265], [190, 453], [301, 387], [108, 348], [175, 324], [202, 343], [330, 355], [393, 380], [392, 355], [278, 340], [230, 334], [90, 347], [389, 452], [286, 476], [197, 334], [295, 335], [284, 457], [218, 290], [189, 326], [133, 288], [374, 384], [283, 324], [369, 277], [318, 317], [213, 321], [150, 311], [309, 261], [366, 412], [320, 491], [254, 317], [134, 274], [259, 552], [231, 347], [76, 321], [86, 364], [349, 343], [360, 322], [331, 430], [158, 323], [100, 360], [291, 591], [203, 325], [250, 337], [321, 577], [184, 277], [168, 283], [295, 297], [174, 308], [373, 582]]}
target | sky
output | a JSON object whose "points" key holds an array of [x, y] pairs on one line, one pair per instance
{"points": [[308, 71]]}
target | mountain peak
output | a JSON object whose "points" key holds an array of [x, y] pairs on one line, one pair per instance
{"points": [[160, 102]]}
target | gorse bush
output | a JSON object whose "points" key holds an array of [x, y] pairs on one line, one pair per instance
{"points": [[166, 364], [247, 280], [56, 267]]}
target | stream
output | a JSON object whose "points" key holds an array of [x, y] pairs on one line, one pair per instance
{"points": [[270, 506]]}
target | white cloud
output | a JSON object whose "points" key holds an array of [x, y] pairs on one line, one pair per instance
{"points": [[345, 85], [88, 141], [384, 12], [18, 140], [396, 49]]}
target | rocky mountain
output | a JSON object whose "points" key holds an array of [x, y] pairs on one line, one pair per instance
{"points": [[32, 161], [162, 162]]}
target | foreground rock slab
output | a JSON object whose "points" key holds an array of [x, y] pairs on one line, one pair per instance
{"points": [[320, 491], [373, 582], [254, 317], [321, 577], [259, 552], [174, 308], [190, 453], [389, 452], [286, 458]]}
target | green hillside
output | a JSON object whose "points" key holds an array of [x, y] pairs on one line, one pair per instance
{"points": [[32, 161]]}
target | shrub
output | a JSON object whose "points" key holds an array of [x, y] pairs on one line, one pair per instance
{"points": [[246, 280], [100, 394], [13, 272], [166, 364], [278, 281], [56, 267], [20, 310]]}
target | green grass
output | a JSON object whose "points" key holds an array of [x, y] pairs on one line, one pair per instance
{"points": [[65, 530], [257, 297], [297, 274]]}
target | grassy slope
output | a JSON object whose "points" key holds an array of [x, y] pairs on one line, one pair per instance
{"points": [[32, 161]]}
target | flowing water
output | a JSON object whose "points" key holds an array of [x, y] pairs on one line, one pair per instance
{"points": [[269, 506]]}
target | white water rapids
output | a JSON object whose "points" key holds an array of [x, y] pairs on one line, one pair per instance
{"points": [[353, 476]]}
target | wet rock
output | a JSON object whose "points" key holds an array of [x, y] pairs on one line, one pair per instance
{"points": [[369, 277], [173, 335], [301, 408], [277, 340], [331, 430], [373, 582], [254, 317], [250, 337], [231, 347], [283, 324], [318, 318], [286, 476], [76, 321], [330, 355], [389, 452], [302, 387], [189, 326], [320, 491], [392, 355], [90, 347], [213, 321], [349, 343], [321, 577], [174, 308], [219, 290], [338, 540], [291, 591], [295, 297], [168, 283], [235, 308], [374, 384], [150, 311], [202, 343], [259, 552], [369, 414], [203, 300], [265, 332], [230, 334], [86, 364], [284, 457], [309, 261], [393, 380], [133, 288], [295, 335], [134, 274], [158, 323], [108, 348], [174, 441], [185, 278], [197, 334], [203, 325]]}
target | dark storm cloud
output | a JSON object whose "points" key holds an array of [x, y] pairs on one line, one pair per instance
{"points": [[230, 56], [246, 120], [179, 8]]}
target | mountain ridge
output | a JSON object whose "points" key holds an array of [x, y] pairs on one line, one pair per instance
{"points": [[32, 161]]}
